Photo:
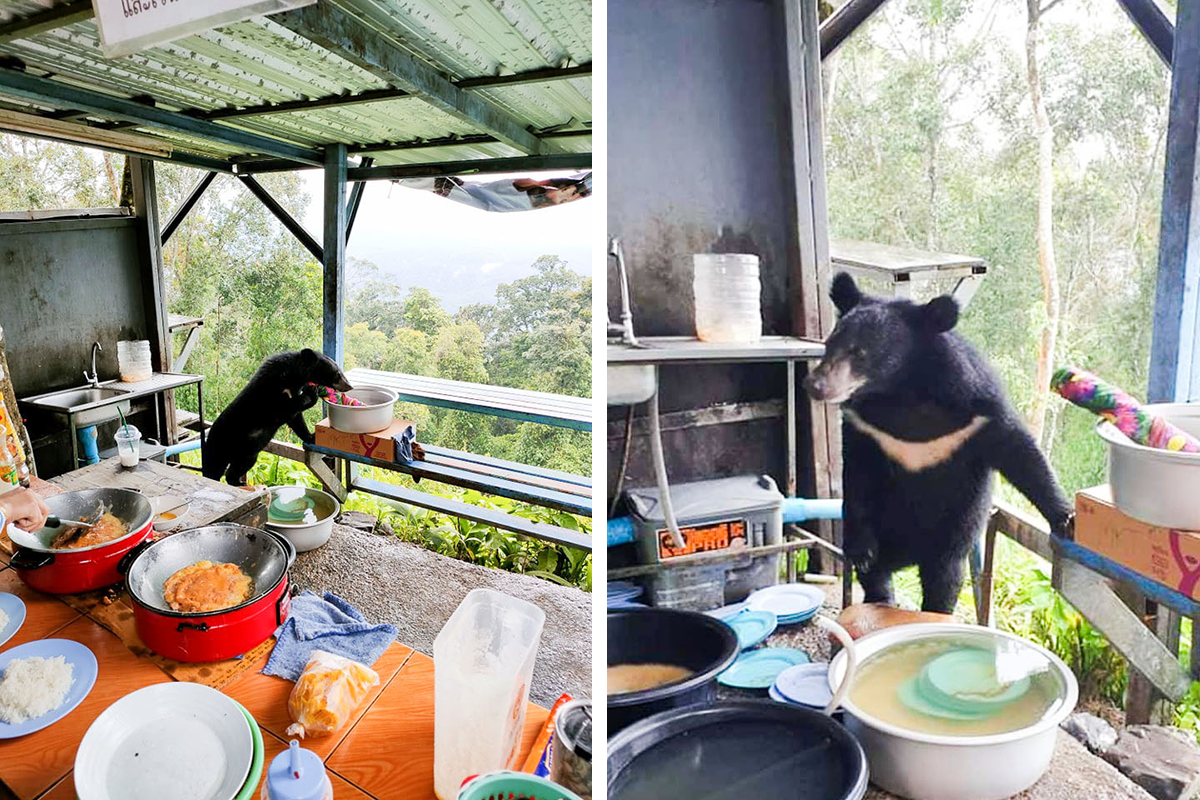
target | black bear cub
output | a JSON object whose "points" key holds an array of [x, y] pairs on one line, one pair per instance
{"points": [[924, 423], [278, 394]]}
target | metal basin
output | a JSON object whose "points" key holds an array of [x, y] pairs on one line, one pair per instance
{"points": [[68, 401]]}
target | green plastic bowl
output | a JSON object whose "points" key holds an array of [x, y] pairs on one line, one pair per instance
{"points": [[256, 765], [518, 785]]}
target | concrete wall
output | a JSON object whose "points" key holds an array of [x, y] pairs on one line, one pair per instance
{"points": [[65, 283], [700, 161]]}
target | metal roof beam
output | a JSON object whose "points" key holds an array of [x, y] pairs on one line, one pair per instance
{"points": [[529, 76], [845, 21], [187, 205], [556, 161], [351, 39], [1153, 24], [61, 95], [383, 95], [331, 101], [281, 213], [355, 200], [452, 141], [57, 17]]}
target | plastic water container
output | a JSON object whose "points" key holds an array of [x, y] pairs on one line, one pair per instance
{"points": [[133, 361], [728, 297], [482, 665]]}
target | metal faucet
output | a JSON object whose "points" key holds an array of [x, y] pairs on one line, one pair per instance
{"points": [[93, 379], [626, 326]]}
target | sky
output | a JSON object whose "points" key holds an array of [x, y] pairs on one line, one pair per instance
{"points": [[459, 253]]}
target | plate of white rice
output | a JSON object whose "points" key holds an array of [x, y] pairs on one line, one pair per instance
{"points": [[12, 615], [41, 682]]}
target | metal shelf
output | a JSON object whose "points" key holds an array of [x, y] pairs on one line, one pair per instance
{"points": [[690, 350]]}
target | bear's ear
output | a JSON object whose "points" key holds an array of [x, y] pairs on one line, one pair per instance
{"points": [[940, 314], [309, 355], [844, 292]]}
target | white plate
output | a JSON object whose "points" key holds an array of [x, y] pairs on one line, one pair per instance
{"points": [[13, 608], [180, 740], [787, 600]]}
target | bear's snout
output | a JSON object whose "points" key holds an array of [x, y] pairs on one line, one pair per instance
{"points": [[816, 385]]}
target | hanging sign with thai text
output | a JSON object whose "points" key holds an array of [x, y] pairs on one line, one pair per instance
{"points": [[127, 26]]}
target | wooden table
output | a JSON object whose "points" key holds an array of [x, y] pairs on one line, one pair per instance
{"points": [[384, 752]]}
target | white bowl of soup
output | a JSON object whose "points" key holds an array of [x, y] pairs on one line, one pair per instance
{"points": [[955, 712]]}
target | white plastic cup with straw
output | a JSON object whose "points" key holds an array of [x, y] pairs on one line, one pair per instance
{"points": [[129, 440]]}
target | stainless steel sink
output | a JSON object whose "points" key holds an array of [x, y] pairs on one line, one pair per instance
{"points": [[90, 405]]}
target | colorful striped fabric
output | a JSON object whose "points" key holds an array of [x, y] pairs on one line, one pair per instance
{"points": [[1087, 391]]}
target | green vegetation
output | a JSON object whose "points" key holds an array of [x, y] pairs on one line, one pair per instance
{"points": [[452, 536]]}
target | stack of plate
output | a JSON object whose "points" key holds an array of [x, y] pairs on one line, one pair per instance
{"points": [[803, 685], [622, 593], [179, 740], [961, 684], [759, 669], [791, 603]]}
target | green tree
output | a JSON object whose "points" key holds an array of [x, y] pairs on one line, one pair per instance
{"points": [[424, 312], [541, 331]]}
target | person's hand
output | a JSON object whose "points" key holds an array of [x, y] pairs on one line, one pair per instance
{"points": [[24, 509]]}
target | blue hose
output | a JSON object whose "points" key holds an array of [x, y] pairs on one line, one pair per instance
{"points": [[795, 509], [176, 449]]}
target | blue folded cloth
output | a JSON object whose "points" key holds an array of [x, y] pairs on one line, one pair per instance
{"points": [[326, 623], [404, 442]]}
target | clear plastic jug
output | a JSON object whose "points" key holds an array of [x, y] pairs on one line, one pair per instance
{"points": [[483, 662], [728, 297]]}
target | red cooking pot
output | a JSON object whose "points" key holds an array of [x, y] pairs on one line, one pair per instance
{"points": [[80, 569], [210, 635]]}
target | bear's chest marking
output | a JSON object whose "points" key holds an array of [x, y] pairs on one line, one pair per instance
{"points": [[917, 456]]}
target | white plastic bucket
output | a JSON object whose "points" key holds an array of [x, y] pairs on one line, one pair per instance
{"points": [[482, 666], [728, 297]]}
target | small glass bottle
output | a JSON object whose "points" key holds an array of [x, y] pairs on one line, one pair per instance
{"points": [[296, 774]]}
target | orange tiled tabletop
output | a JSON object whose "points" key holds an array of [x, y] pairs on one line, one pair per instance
{"points": [[389, 753], [32, 764], [266, 698], [44, 614]]}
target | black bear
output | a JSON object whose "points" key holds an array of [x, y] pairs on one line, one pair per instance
{"points": [[278, 394], [924, 423]]}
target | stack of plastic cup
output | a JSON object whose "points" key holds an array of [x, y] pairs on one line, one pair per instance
{"points": [[728, 297], [133, 361]]}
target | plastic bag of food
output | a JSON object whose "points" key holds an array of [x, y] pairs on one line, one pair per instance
{"points": [[327, 693]]}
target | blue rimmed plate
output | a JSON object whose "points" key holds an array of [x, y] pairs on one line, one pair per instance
{"points": [[805, 685], [758, 669], [83, 676], [13, 608], [752, 627]]}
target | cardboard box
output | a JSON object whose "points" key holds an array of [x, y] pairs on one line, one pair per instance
{"points": [[1166, 555], [379, 445]]}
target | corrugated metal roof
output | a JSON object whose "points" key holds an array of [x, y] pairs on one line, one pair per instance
{"points": [[260, 62]]}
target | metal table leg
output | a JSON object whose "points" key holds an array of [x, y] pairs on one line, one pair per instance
{"points": [[74, 442], [200, 409]]}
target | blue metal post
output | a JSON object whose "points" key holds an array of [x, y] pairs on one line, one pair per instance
{"points": [[333, 312], [1174, 355]]}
